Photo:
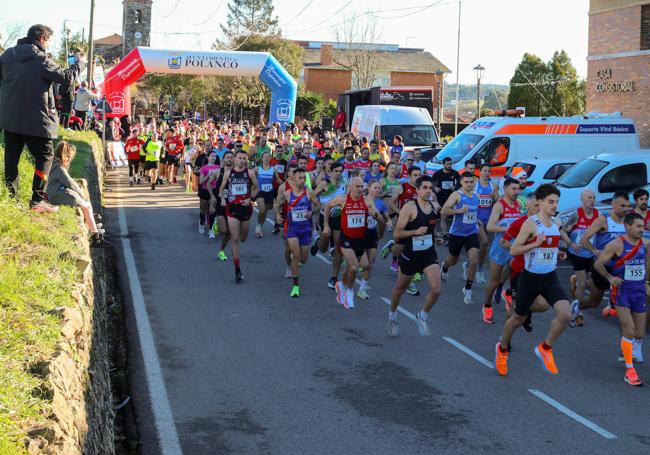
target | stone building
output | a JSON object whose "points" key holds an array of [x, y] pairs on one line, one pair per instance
{"points": [[618, 64], [109, 48], [136, 24]]}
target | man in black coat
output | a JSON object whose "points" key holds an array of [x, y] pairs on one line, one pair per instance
{"points": [[28, 108]]}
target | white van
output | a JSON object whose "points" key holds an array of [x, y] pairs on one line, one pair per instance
{"points": [[378, 122], [504, 141]]}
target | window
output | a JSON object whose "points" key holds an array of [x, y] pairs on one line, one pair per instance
{"points": [[556, 171], [459, 147], [495, 152], [527, 167], [138, 16], [581, 173], [645, 27], [624, 178], [413, 135]]}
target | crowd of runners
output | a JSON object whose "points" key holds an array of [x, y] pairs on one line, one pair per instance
{"points": [[336, 195]]}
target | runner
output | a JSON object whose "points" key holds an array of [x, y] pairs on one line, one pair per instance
{"points": [[152, 149], [463, 205], [241, 183], [488, 194], [606, 228], [504, 213], [190, 154], [641, 207], [355, 210], [538, 242], [416, 229], [174, 153], [279, 162], [133, 147], [624, 263], [207, 200], [374, 174], [264, 199], [297, 224], [581, 259], [220, 211], [445, 182]]}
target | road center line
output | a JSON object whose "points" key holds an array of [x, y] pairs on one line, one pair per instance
{"points": [[480, 359], [568, 412], [407, 313], [162, 413]]}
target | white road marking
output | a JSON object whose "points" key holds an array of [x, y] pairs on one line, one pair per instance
{"points": [[162, 413], [407, 313], [568, 412], [480, 359]]}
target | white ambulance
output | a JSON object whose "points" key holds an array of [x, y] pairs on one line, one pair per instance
{"points": [[504, 141]]}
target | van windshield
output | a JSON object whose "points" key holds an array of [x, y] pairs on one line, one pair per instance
{"points": [[581, 173], [458, 147], [413, 135]]}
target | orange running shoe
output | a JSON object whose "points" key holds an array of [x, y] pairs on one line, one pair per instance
{"points": [[573, 282], [500, 360], [508, 299], [546, 357], [609, 311], [632, 378], [488, 316]]}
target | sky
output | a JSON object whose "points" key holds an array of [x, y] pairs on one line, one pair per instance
{"points": [[494, 33]]}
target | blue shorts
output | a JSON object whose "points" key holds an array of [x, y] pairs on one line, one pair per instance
{"points": [[634, 299], [498, 255], [304, 237]]}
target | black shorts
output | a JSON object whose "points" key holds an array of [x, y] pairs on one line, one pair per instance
{"points": [[356, 245], [173, 160], [204, 194], [599, 281], [221, 210], [335, 223], [148, 165], [409, 266], [371, 239], [240, 212], [267, 196], [143, 159], [457, 242], [134, 163], [530, 285], [579, 263]]}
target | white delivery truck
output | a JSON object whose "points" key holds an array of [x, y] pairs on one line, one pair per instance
{"points": [[504, 141], [378, 122]]}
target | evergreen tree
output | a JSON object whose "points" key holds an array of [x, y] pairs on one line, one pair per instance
{"points": [[567, 95], [529, 86], [250, 17]]}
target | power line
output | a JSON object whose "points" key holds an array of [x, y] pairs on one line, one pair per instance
{"points": [[172, 11], [540, 93], [299, 12], [210, 16]]}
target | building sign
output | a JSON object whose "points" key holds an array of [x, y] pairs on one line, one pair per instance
{"points": [[605, 85]]}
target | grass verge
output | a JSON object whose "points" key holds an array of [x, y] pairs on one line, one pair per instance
{"points": [[37, 273]]}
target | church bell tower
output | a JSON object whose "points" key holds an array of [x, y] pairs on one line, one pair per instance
{"points": [[136, 24]]}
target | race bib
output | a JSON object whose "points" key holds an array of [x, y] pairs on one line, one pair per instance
{"points": [[299, 215], [634, 272], [372, 222], [448, 185], [172, 146], [469, 218], [279, 168], [546, 256], [356, 221], [485, 202], [238, 189], [422, 242], [266, 187], [135, 148]]}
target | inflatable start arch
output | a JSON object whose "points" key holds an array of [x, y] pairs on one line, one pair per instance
{"points": [[142, 60]]}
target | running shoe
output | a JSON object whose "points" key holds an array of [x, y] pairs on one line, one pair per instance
{"points": [[276, 228], [496, 297], [637, 351], [443, 275], [528, 323], [412, 289], [332, 251], [385, 250], [580, 320], [500, 360], [340, 292], [43, 207], [362, 294], [468, 296], [201, 229], [632, 378], [573, 285], [211, 234], [546, 357], [314, 246], [465, 267], [348, 303], [393, 330], [332, 283], [222, 256], [295, 291], [239, 277], [575, 312], [423, 326], [153, 186], [488, 315], [394, 265], [258, 231], [130, 182], [506, 298], [609, 311], [480, 278], [288, 273], [174, 180], [417, 278]]}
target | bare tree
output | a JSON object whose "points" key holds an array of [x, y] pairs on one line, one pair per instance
{"points": [[360, 36], [9, 36]]}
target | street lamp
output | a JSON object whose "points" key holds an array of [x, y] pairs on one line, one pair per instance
{"points": [[478, 71], [439, 78]]}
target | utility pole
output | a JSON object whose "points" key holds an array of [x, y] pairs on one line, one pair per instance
{"points": [[460, 3], [91, 48], [65, 37]]}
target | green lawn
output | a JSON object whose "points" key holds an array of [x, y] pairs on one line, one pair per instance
{"points": [[36, 277]]}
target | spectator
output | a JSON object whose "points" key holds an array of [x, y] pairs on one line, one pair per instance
{"points": [[63, 190], [339, 121], [82, 101], [66, 95], [27, 108]]}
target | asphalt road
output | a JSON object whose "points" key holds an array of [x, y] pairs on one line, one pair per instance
{"points": [[246, 369]]}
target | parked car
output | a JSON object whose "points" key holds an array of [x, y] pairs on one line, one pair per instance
{"points": [[541, 171], [605, 174]]}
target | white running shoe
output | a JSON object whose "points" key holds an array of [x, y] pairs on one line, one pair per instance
{"points": [[443, 275], [480, 278], [258, 231], [349, 299], [465, 267], [201, 229], [211, 234], [468, 296], [362, 294], [423, 326], [393, 330], [575, 312], [288, 273]]}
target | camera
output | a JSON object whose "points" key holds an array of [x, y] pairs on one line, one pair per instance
{"points": [[72, 59]]}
